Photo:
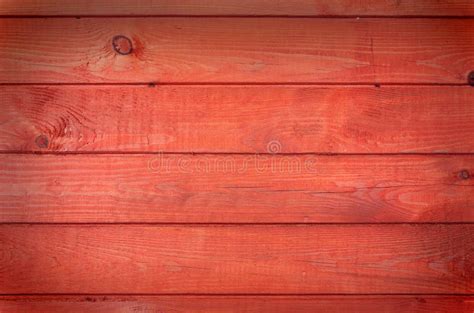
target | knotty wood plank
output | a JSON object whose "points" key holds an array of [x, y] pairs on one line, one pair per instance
{"points": [[236, 189], [234, 7], [288, 119], [249, 304], [331, 259], [237, 50]]}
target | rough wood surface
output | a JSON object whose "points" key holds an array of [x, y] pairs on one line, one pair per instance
{"points": [[331, 259], [236, 188], [247, 304], [287, 119], [238, 7], [223, 156], [251, 50]]}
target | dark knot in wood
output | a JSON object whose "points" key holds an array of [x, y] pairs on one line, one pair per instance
{"points": [[42, 142], [122, 45]]}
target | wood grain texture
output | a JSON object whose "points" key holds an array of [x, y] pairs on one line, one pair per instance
{"points": [[237, 50], [331, 259], [288, 119], [237, 7], [247, 304], [236, 189]]}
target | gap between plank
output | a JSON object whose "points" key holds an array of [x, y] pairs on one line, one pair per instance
{"points": [[243, 84], [361, 154], [241, 294], [224, 224], [323, 16]]}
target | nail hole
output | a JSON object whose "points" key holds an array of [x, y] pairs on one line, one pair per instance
{"points": [[122, 45], [464, 174], [42, 142], [470, 78]]}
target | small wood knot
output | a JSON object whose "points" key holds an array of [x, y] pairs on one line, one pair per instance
{"points": [[42, 142], [464, 174], [470, 78], [122, 45]]}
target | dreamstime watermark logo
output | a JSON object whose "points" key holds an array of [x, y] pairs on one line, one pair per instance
{"points": [[274, 147], [270, 162]]}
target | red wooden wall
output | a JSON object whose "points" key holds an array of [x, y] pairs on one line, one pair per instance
{"points": [[236, 156]]}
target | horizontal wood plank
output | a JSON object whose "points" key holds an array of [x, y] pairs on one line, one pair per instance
{"points": [[263, 119], [331, 259], [236, 50], [236, 188], [248, 304], [237, 7]]}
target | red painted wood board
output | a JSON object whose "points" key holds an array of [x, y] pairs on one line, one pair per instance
{"points": [[235, 189], [237, 50], [237, 119], [251, 259], [248, 304], [237, 7]]}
